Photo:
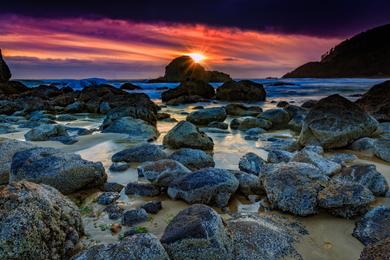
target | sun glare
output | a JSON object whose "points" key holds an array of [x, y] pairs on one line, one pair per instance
{"points": [[197, 57]]}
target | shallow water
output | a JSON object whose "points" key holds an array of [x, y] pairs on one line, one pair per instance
{"points": [[329, 237]]}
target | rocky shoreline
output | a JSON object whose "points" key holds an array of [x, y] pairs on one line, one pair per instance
{"points": [[49, 197]]}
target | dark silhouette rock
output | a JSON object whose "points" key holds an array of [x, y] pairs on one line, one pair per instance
{"points": [[189, 91], [376, 101], [364, 55], [5, 73], [244, 90], [130, 86]]}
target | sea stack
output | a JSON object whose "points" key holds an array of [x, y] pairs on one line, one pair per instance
{"points": [[5, 73]]}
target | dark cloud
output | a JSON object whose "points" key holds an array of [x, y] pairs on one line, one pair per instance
{"points": [[321, 18]]}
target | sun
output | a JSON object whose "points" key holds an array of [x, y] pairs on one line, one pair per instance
{"points": [[197, 57]]}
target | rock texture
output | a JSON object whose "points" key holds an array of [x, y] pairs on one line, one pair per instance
{"points": [[194, 159], [188, 92], [376, 101], [244, 90], [207, 115], [140, 153]]}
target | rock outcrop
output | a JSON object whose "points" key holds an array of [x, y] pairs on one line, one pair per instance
{"points": [[5, 73]]}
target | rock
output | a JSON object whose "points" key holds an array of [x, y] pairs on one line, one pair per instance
{"points": [[286, 144], [256, 131], [66, 117], [66, 172], [326, 166], [5, 73], [187, 135], [115, 211], [278, 156], [297, 115], [162, 173], [162, 116], [152, 207], [219, 125], [376, 101], [314, 148], [210, 186], [142, 189], [241, 110], [12, 87], [186, 100], [244, 90], [249, 184], [104, 107], [277, 116], [336, 122], [75, 107], [282, 104], [140, 153], [138, 246], [263, 237], [112, 187], [294, 187], [382, 149], [46, 132], [187, 89], [197, 232], [194, 159], [251, 163], [235, 123], [378, 250], [129, 86], [345, 199], [309, 103], [134, 216], [207, 115], [366, 175], [342, 158], [37, 222], [364, 144], [8, 107], [253, 122], [7, 150], [119, 167], [107, 198], [136, 128], [374, 226]]}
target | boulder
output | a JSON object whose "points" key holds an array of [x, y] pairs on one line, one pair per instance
{"points": [[140, 153], [374, 226], [244, 90], [342, 158], [112, 187], [5, 73], [142, 189], [249, 184], [366, 175], [138, 246], [107, 198], [297, 115], [376, 251], [345, 199], [12, 88], [114, 211], [376, 101], [134, 216], [187, 135], [382, 149], [336, 122], [46, 132], [278, 156], [242, 110], [129, 86], [293, 187], [137, 129], [210, 186], [235, 123], [162, 172], [326, 166], [119, 167], [66, 172], [152, 207], [37, 222], [8, 107], [365, 144], [197, 232], [66, 117], [253, 122], [207, 115], [194, 159], [273, 143], [277, 116], [219, 125], [251, 163], [187, 89], [7, 150]]}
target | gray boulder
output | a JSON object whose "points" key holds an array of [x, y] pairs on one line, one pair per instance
{"points": [[194, 159], [66, 172], [107, 198], [138, 246], [210, 186], [365, 144], [244, 90], [46, 132], [251, 163], [241, 110], [197, 232], [252, 122], [142, 189], [219, 125], [207, 115], [374, 226], [336, 122], [278, 156], [134, 216], [162, 172], [382, 149], [277, 116], [140, 153], [249, 184], [326, 166], [342, 158], [235, 123], [366, 175], [187, 135], [287, 144], [37, 222]]}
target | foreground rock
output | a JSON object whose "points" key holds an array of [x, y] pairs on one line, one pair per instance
{"points": [[66, 172], [251, 163], [382, 149], [244, 90], [210, 186], [207, 115], [326, 166], [140, 153], [197, 233], [194, 159], [241, 110], [277, 116], [374, 226], [7, 150], [47, 132], [378, 250], [188, 92], [336, 122], [187, 135], [376, 101], [37, 222], [249, 184], [293, 187], [138, 246]]}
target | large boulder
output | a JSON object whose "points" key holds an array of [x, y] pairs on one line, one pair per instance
{"points": [[251, 163], [207, 115], [293, 187], [197, 232], [376, 101], [188, 89], [277, 116], [138, 246], [37, 222], [242, 110], [140, 153], [244, 90], [66, 172], [336, 122], [326, 166], [5, 73], [46, 132], [193, 159], [382, 149], [374, 226], [253, 122], [7, 150], [249, 184], [210, 186], [186, 134], [137, 129]]}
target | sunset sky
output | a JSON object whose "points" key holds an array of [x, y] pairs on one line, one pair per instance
{"points": [[55, 41]]}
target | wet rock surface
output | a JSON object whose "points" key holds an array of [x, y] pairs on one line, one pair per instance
{"points": [[244, 90], [142, 189], [194, 159], [251, 163], [207, 115], [140, 153]]}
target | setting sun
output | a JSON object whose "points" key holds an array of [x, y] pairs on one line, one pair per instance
{"points": [[197, 57]]}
